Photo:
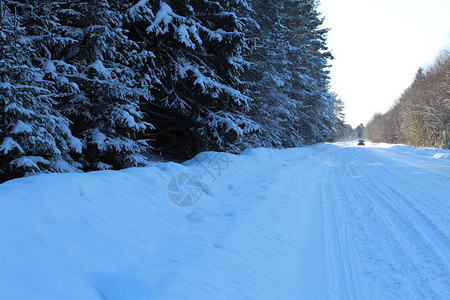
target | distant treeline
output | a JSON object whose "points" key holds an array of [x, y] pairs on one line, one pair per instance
{"points": [[421, 117]]}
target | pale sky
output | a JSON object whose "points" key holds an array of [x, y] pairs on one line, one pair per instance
{"points": [[378, 46]]}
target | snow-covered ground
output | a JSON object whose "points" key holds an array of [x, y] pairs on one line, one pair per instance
{"points": [[319, 222]]}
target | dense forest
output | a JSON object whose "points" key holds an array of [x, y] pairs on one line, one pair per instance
{"points": [[101, 84], [421, 116]]}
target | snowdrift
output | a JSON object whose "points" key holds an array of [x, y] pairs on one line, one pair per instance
{"points": [[124, 235], [429, 152]]}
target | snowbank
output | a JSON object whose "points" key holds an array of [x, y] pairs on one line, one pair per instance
{"points": [[430, 152], [124, 235]]}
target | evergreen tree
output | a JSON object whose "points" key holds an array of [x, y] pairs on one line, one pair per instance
{"points": [[342, 131], [291, 81], [102, 73], [91, 85], [359, 131], [34, 136], [199, 100]]}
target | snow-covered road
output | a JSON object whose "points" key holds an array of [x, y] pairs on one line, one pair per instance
{"points": [[330, 221], [386, 219]]}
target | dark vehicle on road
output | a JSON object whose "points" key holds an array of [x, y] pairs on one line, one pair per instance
{"points": [[361, 143]]}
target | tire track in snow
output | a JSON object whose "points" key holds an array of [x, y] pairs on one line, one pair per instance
{"points": [[426, 246], [422, 224], [418, 192], [381, 246], [343, 260], [409, 248]]}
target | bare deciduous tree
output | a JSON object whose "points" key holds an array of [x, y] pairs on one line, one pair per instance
{"points": [[421, 117]]}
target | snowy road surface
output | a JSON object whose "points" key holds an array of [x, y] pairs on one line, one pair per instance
{"points": [[330, 221]]}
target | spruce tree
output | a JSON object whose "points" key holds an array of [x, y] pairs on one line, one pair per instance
{"points": [[199, 100], [34, 136], [290, 77], [102, 73]]}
